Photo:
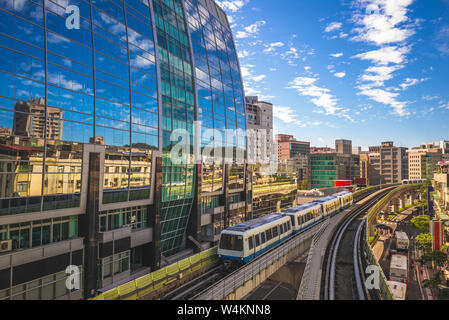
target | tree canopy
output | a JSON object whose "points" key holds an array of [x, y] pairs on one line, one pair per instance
{"points": [[422, 222], [424, 241]]}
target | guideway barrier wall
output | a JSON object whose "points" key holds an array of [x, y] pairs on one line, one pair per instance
{"points": [[153, 282], [384, 290]]}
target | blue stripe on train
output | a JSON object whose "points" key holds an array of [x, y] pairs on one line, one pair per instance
{"points": [[260, 252]]}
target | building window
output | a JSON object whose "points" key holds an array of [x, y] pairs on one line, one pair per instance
{"points": [[41, 232], [116, 264], [135, 217]]}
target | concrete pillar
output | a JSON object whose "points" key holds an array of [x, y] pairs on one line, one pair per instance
{"points": [[403, 201], [295, 202], [396, 205]]}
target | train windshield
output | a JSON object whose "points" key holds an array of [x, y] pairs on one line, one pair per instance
{"points": [[231, 242]]}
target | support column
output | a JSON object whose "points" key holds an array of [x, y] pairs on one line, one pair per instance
{"points": [[154, 219], [278, 205], [89, 226], [403, 201], [396, 204]]}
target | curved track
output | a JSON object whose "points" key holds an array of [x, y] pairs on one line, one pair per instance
{"points": [[192, 288], [343, 275]]}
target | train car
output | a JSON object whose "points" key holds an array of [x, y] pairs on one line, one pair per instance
{"points": [[330, 205], [304, 216], [416, 181], [346, 199], [243, 243]]}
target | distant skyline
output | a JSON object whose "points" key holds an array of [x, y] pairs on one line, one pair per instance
{"points": [[364, 70]]}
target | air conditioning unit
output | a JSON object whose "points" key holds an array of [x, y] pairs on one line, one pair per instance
{"points": [[5, 246]]}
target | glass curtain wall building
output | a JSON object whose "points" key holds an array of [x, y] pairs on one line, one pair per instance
{"points": [[86, 117], [223, 184]]}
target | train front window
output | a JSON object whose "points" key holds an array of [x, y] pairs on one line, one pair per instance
{"points": [[231, 242]]}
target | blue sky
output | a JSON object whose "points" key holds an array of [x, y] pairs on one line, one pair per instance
{"points": [[365, 70]]}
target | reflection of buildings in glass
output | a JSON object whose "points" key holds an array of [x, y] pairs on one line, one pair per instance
{"points": [[97, 140], [118, 170], [5, 131], [110, 94], [63, 168], [29, 120], [21, 168]]}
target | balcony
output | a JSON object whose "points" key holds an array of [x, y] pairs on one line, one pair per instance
{"points": [[141, 237], [19, 257], [122, 233], [236, 206], [214, 211]]}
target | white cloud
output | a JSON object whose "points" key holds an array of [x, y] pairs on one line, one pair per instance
{"points": [[231, 5], [383, 21], [411, 82], [385, 97], [336, 55], [385, 55], [321, 97], [290, 55], [340, 74], [430, 98], [379, 74], [333, 26], [272, 46], [244, 54], [287, 115], [385, 24], [250, 31], [259, 78], [252, 80]]}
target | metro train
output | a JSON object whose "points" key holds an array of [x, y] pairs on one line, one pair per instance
{"points": [[416, 181], [245, 242]]}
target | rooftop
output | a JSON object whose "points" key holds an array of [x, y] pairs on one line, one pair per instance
{"points": [[253, 224], [399, 261]]}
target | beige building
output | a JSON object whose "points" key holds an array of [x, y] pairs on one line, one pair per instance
{"points": [[30, 119], [422, 163], [387, 164], [260, 126], [364, 165]]}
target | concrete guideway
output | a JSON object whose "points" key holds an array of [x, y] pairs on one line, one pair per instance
{"points": [[310, 288], [244, 281], [311, 282]]}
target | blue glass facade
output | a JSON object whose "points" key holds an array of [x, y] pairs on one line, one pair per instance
{"points": [[86, 114]]}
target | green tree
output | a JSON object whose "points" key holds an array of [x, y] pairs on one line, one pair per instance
{"points": [[431, 283], [439, 258], [422, 222], [305, 185], [424, 241]]}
